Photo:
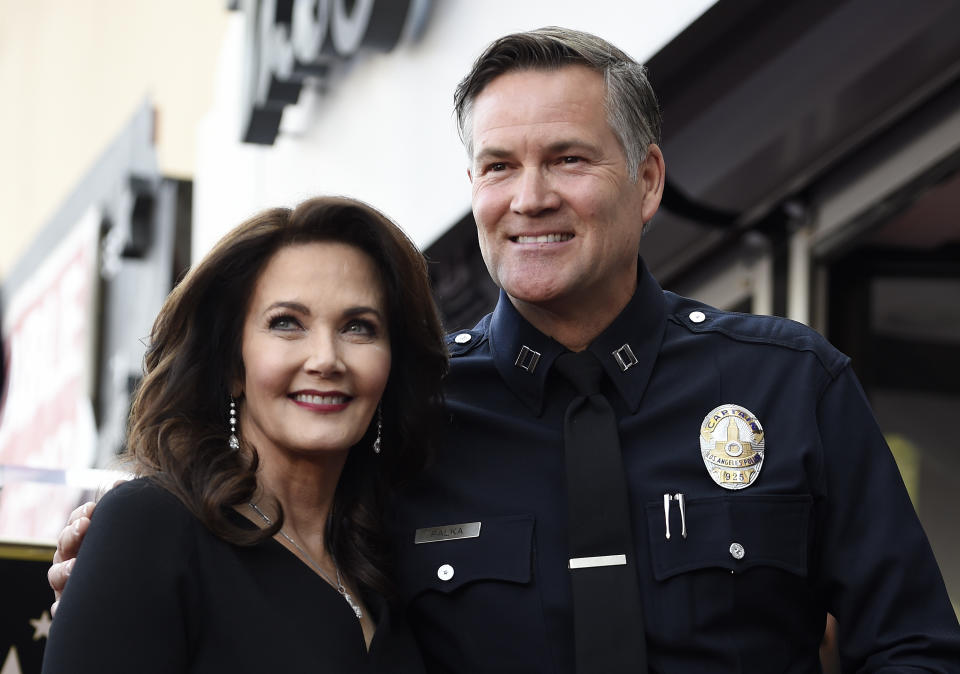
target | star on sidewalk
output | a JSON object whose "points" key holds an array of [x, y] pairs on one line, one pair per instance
{"points": [[41, 626]]}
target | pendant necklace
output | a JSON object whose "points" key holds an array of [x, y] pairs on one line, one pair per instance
{"points": [[338, 585]]}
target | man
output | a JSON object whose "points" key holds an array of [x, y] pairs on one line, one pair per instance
{"points": [[761, 493]]}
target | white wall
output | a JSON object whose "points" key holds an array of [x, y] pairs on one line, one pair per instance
{"points": [[385, 133], [72, 75]]}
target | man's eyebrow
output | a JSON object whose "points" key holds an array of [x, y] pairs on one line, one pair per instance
{"points": [[288, 304], [558, 147], [562, 146], [492, 153]]}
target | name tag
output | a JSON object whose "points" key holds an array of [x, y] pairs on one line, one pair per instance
{"points": [[447, 532]]}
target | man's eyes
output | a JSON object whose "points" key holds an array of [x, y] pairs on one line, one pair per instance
{"points": [[500, 166]]}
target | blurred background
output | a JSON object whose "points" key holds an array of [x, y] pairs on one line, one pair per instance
{"points": [[813, 160]]}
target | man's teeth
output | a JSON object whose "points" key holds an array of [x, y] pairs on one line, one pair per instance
{"points": [[544, 238], [320, 400]]}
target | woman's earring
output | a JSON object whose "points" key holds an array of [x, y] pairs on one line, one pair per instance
{"points": [[376, 443], [233, 442]]}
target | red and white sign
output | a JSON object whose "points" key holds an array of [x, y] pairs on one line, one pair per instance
{"points": [[46, 420]]}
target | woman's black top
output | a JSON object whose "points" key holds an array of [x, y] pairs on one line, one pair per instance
{"points": [[154, 591]]}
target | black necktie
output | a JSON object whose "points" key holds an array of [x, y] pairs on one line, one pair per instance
{"points": [[608, 617]]}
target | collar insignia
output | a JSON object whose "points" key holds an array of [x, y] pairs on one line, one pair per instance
{"points": [[527, 359], [732, 445], [625, 358]]}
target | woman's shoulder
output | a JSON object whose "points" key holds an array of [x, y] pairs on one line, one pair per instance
{"points": [[139, 492], [139, 531], [141, 503]]}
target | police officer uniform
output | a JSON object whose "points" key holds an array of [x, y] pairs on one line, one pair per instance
{"points": [[762, 495]]}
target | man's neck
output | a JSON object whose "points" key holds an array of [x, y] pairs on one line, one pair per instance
{"points": [[575, 325]]}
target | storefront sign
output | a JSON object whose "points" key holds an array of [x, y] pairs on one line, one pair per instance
{"points": [[47, 416], [290, 41]]}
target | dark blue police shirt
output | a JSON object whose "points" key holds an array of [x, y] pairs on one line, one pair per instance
{"points": [[826, 526]]}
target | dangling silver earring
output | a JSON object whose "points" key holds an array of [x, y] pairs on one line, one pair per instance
{"points": [[376, 443], [233, 441]]}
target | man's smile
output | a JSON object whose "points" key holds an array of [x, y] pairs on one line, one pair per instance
{"points": [[541, 238]]}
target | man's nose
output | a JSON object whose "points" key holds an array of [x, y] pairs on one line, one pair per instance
{"points": [[534, 193]]}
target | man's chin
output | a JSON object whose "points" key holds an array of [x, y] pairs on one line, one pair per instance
{"points": [[544, 296]]}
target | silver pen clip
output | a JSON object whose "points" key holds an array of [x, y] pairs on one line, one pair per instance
{"points": [[683, 514], [666, 513], [681, 501]]}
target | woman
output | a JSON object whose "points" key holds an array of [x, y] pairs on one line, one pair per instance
{"points": [[288, 385]]}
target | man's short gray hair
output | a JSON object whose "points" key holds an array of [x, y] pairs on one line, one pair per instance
{"points": [[632, 110]]}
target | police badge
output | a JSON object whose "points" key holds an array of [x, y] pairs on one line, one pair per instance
{"points": [[731, 442]]}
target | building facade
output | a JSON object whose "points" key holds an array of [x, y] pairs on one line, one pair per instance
{"points": [[813, 163]]}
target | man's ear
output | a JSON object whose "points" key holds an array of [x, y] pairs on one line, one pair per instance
{"points": [[469, 175], [651, 175]]}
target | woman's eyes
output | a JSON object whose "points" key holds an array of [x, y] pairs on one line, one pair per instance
{"points": [[362, 327], [284, 322]]}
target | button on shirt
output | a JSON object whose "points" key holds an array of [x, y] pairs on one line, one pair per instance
{"points": [[826, 526]]}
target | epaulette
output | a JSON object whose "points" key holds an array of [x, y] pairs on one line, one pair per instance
{"points": [[751, 328], [464, 341]]}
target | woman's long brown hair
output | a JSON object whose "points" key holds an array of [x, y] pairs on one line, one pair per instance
{"points": [[179, 420]]}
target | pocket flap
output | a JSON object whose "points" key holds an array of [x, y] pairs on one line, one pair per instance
{"points": [[502, 552], [735, 531]]}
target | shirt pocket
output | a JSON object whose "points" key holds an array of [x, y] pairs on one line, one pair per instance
{"points": [[469, 598], [736, 532], [502, 552], [745, 557]]}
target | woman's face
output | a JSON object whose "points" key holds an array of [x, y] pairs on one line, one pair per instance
{"points": [[316, 350]]}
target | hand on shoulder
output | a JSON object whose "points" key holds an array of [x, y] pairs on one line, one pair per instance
{"points": [[68, 545]]}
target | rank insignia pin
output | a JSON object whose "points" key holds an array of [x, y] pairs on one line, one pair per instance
{"points": [[732, 445]]}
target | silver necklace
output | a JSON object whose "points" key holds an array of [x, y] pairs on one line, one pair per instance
{"points": [[339, 584]]}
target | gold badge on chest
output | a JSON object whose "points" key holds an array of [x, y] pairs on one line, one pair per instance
{"points": [[732, 444]]}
